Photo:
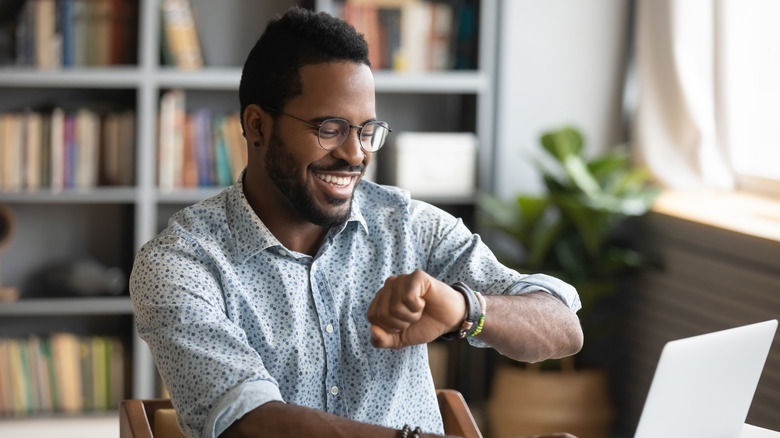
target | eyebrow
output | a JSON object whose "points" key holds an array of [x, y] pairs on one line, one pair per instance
{"points": [[319, 120]]}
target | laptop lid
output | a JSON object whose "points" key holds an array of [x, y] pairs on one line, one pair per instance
{"points": [[703, 386]]}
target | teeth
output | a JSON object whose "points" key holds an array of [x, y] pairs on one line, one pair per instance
{"points": [[337, 180]]}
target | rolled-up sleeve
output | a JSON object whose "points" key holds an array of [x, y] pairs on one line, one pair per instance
{"points": [[213, 375]]}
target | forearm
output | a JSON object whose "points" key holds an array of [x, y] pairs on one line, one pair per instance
{"points": [[277, 419], [531, 327]]}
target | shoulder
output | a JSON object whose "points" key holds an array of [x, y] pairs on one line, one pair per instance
{"points": [[372, 194], [191, 226]]}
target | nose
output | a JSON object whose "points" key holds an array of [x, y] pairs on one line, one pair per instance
{"points": [[351, 151]]}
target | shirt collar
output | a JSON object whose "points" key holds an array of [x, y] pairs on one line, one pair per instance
{"points": [[250, 233]]}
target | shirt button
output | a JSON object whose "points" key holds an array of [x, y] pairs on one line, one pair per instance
{"points": [[329, 329], [282, 252], [334, 390]]}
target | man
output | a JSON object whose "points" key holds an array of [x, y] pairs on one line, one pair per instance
{"points": [[299, 301]]}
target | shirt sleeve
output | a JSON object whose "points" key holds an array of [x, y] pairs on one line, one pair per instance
{"points": [[213, 375], [457, 254]]}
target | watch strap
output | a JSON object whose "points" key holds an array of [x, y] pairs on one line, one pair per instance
{"points": [[472, 313]]}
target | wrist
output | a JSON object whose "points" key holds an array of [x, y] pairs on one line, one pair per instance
{"points": [[472, 314]]}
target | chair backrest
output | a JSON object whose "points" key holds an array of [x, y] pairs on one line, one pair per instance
{"points": [[156, 418]]}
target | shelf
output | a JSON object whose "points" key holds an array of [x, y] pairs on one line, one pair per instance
{"points": [[84, 425], [433, 82], [100, 195], [115, 77], [187, 196], [67, 306], [385, 81]]}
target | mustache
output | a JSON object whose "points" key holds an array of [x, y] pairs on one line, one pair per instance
{"points": [[340, 168]]}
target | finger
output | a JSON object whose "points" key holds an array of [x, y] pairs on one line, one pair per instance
{"points": [[382, 339]]}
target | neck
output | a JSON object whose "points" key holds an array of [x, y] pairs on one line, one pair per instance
{"points": [[282, 220]]}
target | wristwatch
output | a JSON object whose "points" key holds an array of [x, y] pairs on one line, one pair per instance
{"points": [[472, 314]]}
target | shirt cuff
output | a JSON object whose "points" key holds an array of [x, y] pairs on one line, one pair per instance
{"points": [[236, 403]]}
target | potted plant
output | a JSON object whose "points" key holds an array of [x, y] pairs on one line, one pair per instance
{"points": [[577, 230]]}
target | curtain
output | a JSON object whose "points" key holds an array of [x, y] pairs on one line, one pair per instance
{"points": [[680, 130]]}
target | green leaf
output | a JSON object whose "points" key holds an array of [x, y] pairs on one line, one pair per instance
{"points": [[563, 142], [603, 168], [531, 209], [578, 172], [546, 233]]}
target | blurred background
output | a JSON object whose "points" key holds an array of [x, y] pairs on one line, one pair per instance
{"points": [[658, 121]]}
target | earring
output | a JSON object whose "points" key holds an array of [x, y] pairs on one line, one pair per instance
{"points": [[256, 144]]}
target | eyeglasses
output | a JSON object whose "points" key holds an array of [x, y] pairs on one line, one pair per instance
{"points": [[332, 133]]}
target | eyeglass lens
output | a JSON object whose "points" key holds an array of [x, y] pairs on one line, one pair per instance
{"points": [[334, 132]]}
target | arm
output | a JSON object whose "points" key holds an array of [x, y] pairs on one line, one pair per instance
{"points": [[276, 419], [531, 327], [417, 308]]}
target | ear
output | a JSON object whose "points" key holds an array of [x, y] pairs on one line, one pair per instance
{"points": [[257, 124]]}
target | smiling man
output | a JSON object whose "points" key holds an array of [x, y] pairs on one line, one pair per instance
{"points": [[299, 301]]}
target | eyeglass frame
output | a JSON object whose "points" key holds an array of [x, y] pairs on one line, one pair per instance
{"points": [[319, 129]]}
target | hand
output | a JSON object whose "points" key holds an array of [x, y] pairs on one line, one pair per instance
{"points": [[413, 309], [553, 435]]}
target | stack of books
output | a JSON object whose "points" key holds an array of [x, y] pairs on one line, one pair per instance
{"points": [[61, 373], [77, 33], [197, 148], [59, 149], [416, 35]]}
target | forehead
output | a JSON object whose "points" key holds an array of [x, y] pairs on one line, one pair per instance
{"points": [[337, 88]]}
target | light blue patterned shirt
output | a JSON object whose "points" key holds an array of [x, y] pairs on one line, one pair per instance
{"points": [[234, 319]]}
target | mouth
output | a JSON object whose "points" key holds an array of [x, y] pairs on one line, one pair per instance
{"points": [[338, 186], [340, 181]]}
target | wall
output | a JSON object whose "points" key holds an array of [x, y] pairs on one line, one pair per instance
{"points": [[560, 62]]}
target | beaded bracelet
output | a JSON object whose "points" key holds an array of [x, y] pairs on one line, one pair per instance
{"points": [[481, 323], [416, 433]]}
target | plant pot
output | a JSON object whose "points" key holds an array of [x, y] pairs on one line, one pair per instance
{"points": [[530, 402]]}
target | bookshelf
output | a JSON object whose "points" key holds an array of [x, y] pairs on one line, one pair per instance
{"points": [[109, 223]]}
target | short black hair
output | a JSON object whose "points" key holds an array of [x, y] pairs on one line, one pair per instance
{"points": [[271, 74]]}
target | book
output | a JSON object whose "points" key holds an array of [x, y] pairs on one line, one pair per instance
{"points": [[221, 153], [47, 46], [43, 374], [116, 364], [81, 29], [180, 41], [44, 166], [6, 380], [203, 146], [13, 134], [67, 359], [87, 134], [53, 384], [170, 142], [18, 362], [110, 155], [33, 131], [236, 145], [124, 37], [189, 157], [57, 153], [66, 18], [102, 31], [32, 353]]}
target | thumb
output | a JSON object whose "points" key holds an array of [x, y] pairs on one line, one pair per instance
{"points": [[382, 339]]}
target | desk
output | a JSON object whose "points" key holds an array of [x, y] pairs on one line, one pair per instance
{"points": [[749, 431]]}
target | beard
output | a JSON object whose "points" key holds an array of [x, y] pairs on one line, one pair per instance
{"points": [[280, 167]]}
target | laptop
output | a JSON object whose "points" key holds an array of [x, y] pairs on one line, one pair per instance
{"points": [[703, 386]]}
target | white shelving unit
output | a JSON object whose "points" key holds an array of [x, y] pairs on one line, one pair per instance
{"points": [[430, 101]]}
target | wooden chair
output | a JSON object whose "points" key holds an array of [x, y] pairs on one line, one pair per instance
{"points": [[156, 418]]}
